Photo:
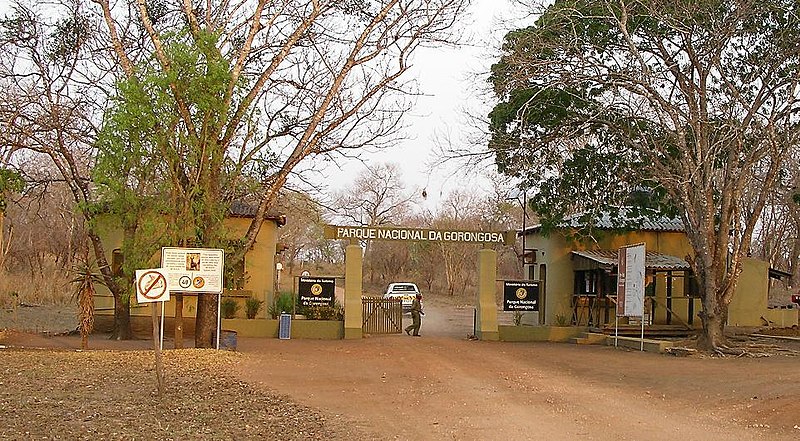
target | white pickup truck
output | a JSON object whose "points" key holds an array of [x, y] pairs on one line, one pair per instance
{"points": [[406, 291]]}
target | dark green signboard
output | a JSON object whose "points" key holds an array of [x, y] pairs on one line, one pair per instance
{"points": [[521, 295], [316, 291]]}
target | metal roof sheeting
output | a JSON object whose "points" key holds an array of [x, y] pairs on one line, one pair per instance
{"points": [[652, 260], [623, 220]]}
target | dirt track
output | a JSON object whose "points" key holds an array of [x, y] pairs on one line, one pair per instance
{"points": [[443, 386]]}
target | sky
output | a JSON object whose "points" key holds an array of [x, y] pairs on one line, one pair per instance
{"points": [[447, 80]]}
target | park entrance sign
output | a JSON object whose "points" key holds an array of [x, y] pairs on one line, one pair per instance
{"points": [[419, 234], [486, 309]]}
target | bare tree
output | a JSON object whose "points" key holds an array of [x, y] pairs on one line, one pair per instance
{"points": [[55, 82]]}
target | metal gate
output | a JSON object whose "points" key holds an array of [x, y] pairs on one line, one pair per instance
{"points": [[381, 316]]}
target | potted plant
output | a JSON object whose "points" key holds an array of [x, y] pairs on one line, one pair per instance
{"points": [[252, 306], [229, 308]]}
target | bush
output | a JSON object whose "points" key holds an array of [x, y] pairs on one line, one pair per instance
{"points": [[282, 303], [252, 306], [335, 312], [229, 308]]}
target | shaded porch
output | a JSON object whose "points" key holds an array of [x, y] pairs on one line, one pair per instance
{"points": [[670, 298]]}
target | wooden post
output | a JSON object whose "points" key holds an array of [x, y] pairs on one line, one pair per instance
{"points": [[178, 321], [157, 349]]}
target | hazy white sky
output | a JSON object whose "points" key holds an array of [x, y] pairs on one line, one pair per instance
{"points": [[447, 79]]}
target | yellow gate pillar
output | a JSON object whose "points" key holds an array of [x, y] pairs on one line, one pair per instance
{"points": [[353, 259], [486, 317]]}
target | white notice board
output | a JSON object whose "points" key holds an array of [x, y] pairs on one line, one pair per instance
{"points": [[630, 281], [194, 269]]}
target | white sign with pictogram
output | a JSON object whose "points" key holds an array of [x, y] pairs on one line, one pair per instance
{"points": [[151, 286], [194, 269]]}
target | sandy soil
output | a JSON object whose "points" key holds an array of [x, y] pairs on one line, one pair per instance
{"points": [[444, 386]]}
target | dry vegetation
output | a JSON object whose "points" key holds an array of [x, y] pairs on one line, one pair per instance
{"points": [[49, 286], [112, 395]]}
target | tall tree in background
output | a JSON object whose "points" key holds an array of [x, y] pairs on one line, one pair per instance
{"points": [[697, 98], [228, 91]]}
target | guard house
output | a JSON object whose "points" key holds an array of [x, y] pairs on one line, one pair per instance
{"points": [[578, 279], [255, 276]]}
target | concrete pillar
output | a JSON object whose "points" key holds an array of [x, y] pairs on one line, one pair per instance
{"points": [[486, 317], [353, 258]]}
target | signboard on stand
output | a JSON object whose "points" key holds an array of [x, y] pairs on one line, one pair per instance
{"points": [[316, 291], [194, 269], [520, 295], [152, 286]]}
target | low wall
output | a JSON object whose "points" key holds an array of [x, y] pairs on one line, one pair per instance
{"points": [[305, 329], [783, 317], [540, 333]]}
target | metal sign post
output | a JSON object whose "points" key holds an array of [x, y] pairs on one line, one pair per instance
{"points": [[151, 287]]}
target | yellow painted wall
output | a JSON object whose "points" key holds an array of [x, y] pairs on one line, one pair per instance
{"points": [[259, 271], [748, 305]]}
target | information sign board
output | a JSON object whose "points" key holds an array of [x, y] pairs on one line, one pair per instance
{"points": [[194, 269], [316, 291]]}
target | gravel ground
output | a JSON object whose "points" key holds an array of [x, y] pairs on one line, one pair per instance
{"points": [[51, 394], [32, 318]]}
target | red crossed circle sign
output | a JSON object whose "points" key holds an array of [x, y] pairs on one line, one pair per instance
{"points": [[152, 285]]}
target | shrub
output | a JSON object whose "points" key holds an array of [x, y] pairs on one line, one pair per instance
{"points": [[252, 306], [335, 312], [282, 303], [229, 308]]}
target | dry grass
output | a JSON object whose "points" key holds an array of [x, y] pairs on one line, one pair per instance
{"points": [[50, 287], [111, 395]]}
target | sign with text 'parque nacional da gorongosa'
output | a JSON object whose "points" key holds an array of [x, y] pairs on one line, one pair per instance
{"points": [[419, 234]]}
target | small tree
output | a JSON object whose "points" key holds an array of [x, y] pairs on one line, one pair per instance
{"points": [[84, 295]]}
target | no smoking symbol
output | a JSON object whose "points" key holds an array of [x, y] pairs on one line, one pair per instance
{"points": [[152, 285]]}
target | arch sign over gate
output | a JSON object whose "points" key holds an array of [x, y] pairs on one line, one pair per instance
{"points": [[486, 317], [420, 234]]}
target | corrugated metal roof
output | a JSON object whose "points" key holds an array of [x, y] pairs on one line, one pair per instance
{"points": [[624, 220], [243, 209], [652, 260]]}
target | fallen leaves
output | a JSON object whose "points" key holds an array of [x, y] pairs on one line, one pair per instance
{"points": [[113, 395]]}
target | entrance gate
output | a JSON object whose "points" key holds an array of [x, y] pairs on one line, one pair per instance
{"points": [[355, 318], [381, 316]]}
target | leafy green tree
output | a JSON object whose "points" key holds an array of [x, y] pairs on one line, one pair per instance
{"points": [[695, 100]]}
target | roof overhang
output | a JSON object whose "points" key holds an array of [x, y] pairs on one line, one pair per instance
{"points": [[607, 259]]}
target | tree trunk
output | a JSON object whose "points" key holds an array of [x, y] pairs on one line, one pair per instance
{"points": [[206, 320], [122, 319]]}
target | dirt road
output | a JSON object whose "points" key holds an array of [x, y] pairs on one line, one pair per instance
{"points": [[444, 387]]}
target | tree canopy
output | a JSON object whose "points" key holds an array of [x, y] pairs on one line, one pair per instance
{"points": [[689, 102]]}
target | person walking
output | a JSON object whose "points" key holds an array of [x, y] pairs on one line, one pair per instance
{"points": [[416, 316]]}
